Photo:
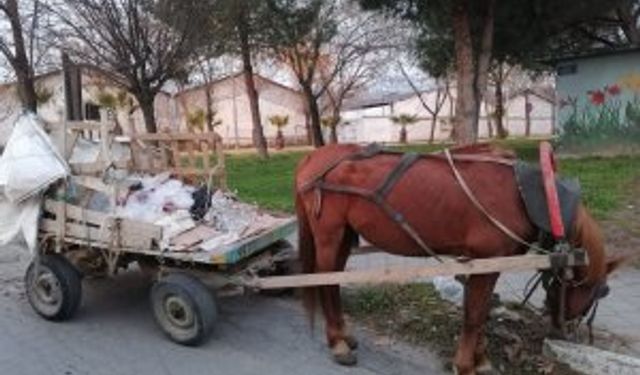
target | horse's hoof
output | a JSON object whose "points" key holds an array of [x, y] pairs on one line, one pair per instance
{"points": [[484, 367], [343, 355], [351, 341], [463, 372]]}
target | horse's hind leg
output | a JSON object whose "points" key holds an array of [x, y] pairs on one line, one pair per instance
{"points": [[470, 353], [331, 255]]}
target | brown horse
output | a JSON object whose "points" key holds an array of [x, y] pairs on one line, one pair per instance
{"points": [[430, 199]]}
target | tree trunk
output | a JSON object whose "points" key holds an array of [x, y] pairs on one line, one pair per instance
{"points": [[209, 104], [148, 111], [20, 62], [465, 121], [499, 110], [483, 61], [527, 115], [333, 136], [432, 132], [257, 134], [403, 134], [314, 116]]}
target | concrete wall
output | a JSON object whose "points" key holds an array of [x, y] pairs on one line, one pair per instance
{"points": [[592, 89]]}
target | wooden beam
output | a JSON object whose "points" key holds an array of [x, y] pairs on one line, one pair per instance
{"points": [[400, 274], [176, 136]]}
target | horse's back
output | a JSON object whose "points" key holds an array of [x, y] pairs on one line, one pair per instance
{"points": [[317, 160]]}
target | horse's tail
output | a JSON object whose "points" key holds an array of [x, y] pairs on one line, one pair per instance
{"points": [[307, 253], [587, 235]]}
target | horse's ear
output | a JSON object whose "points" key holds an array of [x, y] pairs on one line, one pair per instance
{"points": [[616, 262]]}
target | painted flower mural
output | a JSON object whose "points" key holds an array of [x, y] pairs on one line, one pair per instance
{"points": [[609, 114]]}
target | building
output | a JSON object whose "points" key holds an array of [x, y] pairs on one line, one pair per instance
{"points": [[368, 119], [230, 102], [599, 93], [97, 87], [228, 98]]}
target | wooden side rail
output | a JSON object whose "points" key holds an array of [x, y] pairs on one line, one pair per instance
{"points": [[193, 157]]}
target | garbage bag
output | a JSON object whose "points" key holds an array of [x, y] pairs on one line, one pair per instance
{"points": [[30, 162]]}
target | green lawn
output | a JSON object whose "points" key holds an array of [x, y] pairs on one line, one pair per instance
{"points": [[270, 183]]}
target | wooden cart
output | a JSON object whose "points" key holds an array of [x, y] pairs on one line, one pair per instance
{"points": [[77, 241]]}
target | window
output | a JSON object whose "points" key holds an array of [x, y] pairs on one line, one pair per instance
{"points": [[91, 112], [567, 69]]}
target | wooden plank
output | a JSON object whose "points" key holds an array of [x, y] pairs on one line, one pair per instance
{"points": [[400, 274], [244, 248], [88, 234], [176, 136], [133, 233], [192, 237], [139, 235], [87, 126], [76, 213]]}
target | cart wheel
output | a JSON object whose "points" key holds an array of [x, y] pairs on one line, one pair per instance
{"points": [[56, 291], [184, 308]]}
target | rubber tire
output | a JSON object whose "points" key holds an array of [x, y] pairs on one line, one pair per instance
{"points": [[193, 294], [70, 283]]}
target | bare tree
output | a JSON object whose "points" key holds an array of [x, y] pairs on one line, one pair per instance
{"points": [[345, 83], [320, 41], [442, 92], [20, 53], [128, 38]]}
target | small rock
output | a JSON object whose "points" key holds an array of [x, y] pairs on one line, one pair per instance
{"points": [[503, 312]]}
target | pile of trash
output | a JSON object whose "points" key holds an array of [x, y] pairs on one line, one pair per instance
{"points": [[192, 218]]}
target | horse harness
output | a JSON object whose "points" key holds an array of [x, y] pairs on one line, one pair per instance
{"points": [[378, 195]]}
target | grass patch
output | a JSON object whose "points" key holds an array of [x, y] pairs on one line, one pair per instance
{"points": [[416, 313], [268, 183], [605, 181]]}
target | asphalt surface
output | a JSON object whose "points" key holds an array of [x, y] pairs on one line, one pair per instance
{"points": [[114, 333]]}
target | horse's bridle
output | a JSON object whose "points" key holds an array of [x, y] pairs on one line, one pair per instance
{"points": [[558, 280]]}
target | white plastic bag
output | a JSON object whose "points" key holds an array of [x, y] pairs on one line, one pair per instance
{"points": [[449, 289], [30, 162]]}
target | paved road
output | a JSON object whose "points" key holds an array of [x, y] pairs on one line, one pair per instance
{"points": [[115, 334]]}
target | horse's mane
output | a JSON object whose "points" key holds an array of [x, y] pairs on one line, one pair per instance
{"points": [[587, 235], [484, 149]]}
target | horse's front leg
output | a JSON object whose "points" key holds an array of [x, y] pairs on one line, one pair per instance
{"points": [[332, 256], [477, 302]]}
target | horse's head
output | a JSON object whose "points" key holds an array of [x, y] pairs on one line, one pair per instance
{"points": [[588, 283], [580, 295]]}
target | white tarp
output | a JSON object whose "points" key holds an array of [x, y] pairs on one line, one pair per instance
{"points": [[28, 165]]}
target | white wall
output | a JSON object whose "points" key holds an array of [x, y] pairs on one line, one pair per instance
{"points": [[375, 125], [232, 106]]}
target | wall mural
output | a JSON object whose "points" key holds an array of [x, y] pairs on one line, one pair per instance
{"points": [[606, 116]]}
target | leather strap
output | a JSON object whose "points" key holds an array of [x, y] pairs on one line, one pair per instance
{"points": [[406, 161]]}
